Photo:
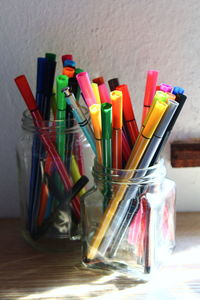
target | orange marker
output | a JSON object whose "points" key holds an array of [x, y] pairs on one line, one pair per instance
{"points": [[68, 71], [116, 100], [95, 113]]}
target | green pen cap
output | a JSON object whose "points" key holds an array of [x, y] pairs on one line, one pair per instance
{"points": [[78, 70], [106, 117], [61, 83], [161, 96], [50, 56]]}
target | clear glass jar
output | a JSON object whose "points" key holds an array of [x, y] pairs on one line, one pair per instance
{"points": [[136, 232], [50, 214]]}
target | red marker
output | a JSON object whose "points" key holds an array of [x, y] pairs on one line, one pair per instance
{"points": [[150, 91], [128, 114]]}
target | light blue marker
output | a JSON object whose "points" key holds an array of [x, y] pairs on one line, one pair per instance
{"points": [[80, 118]]}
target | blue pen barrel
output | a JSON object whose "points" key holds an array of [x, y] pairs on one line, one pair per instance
{"points": [[49, 211]]}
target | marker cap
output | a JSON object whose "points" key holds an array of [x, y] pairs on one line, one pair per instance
{"points": [[98, 80], [69, 63], [61, 83], [95, 113], [154, 118], [78, 70], [113, 83], [86, 88], [50, 56], [127, 105], [104, 94], [178, 90], [26, 92], [165, 88], [68, 71], [106, 117], [150, 89], [116, 99], [96, 92], [67, 57]]}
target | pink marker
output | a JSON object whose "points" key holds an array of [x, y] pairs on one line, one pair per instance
{"points": [[150, 90], [86, 88], [166, 88], [103, 92]]}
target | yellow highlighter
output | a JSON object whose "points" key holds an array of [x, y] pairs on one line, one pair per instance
{"points": [[141, 144], [96, 92], [76, 173], [95, 114]]}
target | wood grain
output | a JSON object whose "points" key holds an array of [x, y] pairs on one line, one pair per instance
{"points": [[185, 155], [26, 273]]}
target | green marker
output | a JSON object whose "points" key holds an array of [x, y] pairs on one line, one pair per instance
{"points": [[78, 91], [50, 56], [106, 117], [61, 83]]}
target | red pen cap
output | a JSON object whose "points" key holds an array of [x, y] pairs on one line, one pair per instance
{"points": [[98, 80], [26, 92], [127, 105], [150, 89], [67, 57], [116, 100]]}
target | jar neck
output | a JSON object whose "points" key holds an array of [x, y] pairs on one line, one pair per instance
{"points": [[67, 126], [151, 175]]}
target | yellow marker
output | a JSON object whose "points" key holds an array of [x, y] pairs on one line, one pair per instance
{"points": [[134, 160], [95, 114], [76, 173], [96, 92]]}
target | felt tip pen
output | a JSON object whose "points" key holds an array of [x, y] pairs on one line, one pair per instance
{"points": [[113, 83], [68, 71], [104, 94], [120, 223], [86, 88], [95, 114], [96, 92], [128, 114], [80, 118], [166, 88], [28, 97], [116, 100], [67, 57], [106, 117], [69, 63], [133, 162], [178, 90], [150, 90]]}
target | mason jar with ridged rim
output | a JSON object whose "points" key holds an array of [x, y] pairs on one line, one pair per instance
{"points": [[136, 232], [50, 213]]}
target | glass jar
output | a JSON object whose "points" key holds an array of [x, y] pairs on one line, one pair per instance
{"points": [[51, 210], [135, 233]]}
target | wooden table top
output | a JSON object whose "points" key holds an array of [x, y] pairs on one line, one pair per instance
{"points": [[26, 273]]}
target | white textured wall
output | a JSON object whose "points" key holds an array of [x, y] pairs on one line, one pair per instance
{"points": [[121, 38]]}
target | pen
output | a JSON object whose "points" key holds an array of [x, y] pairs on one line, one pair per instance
{"points": [[68, 71], [128, 114], [80, 118], [27, 95], [132, 164], [86, 88], [106, 117], [178, 90], [67, 57], [103, 91], [126, 150], [116, 99], [118, 230], [95, 114], [113, 83], [69, 63], [96, 92], [150, 90]]}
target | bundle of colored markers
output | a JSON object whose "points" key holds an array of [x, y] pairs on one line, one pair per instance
{"points": [[115, 137]]}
